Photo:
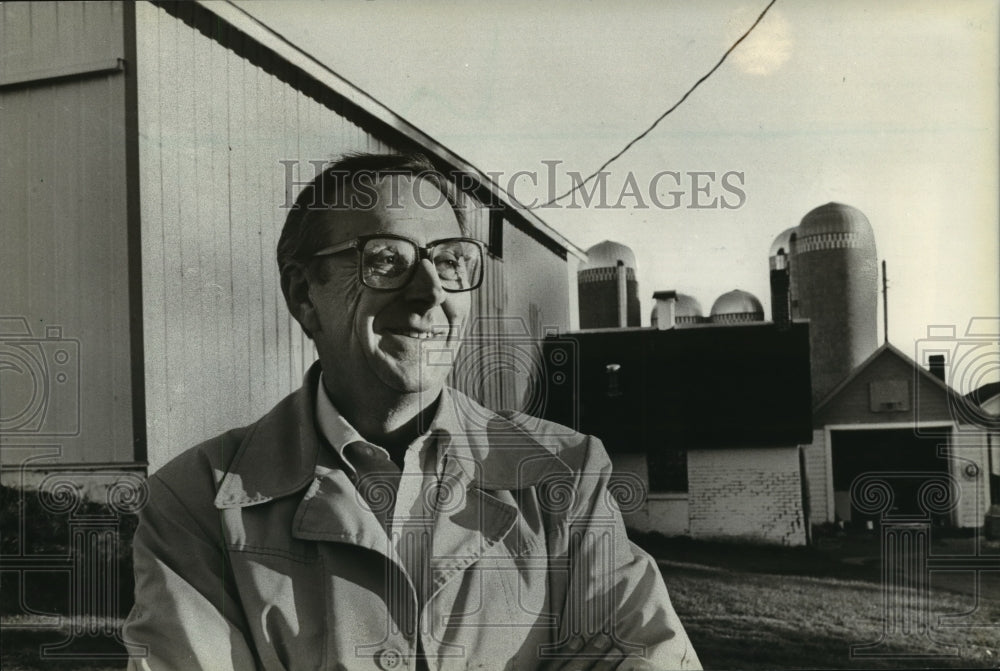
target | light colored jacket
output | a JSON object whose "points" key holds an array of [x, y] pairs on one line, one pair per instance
{"points": [[256, 552]]}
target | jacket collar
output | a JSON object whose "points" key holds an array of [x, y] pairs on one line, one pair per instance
{"points": [[280, 452]]}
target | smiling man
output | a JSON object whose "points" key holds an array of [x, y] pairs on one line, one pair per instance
{"points": [[370, 520]]}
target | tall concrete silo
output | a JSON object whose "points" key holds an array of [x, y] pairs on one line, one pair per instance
{"points": [[834, 284], [608, 287]]}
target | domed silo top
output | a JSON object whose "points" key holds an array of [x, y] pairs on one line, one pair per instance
{"points": [[834, 225], [607, 254], [782, 243], [687, 306], [737, 306]]}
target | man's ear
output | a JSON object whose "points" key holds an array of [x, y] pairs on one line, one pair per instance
{"points": [[295, 287]]}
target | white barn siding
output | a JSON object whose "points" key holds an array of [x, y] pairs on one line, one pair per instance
{"points": [[63, 219], [221, 348]]}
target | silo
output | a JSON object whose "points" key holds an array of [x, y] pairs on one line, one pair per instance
{"points": [[688, 310], [737, 307], [680, 310], [834, 284], [780, 269], [608, 288]]}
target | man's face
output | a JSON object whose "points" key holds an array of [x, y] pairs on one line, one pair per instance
{"points": [[367, 337]]}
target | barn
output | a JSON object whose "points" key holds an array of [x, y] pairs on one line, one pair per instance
{"points": [[151, 151]]}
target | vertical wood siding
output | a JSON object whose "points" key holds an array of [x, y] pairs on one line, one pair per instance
{"points": [[63, 257], [220, 346], [42, 39]]}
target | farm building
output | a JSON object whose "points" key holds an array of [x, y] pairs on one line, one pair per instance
{"points": [[696, 411], [151, 151], [895, 428], [703, 418]]}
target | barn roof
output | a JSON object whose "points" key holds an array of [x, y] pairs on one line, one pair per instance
{"points": [[275, 50]]}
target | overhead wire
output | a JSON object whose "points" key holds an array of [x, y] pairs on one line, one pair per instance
{"points": [[596, 173]]}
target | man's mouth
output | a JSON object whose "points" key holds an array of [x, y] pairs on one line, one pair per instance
{"points": [[421, 334]]}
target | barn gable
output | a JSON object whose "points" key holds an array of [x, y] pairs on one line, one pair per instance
{"points": [[889, 387]]}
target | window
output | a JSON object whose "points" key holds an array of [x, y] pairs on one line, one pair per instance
{"points": [[668, 470], [889, 395]]}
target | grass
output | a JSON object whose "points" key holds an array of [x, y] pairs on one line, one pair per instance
{"points": [[740, 620], [770, 607]]}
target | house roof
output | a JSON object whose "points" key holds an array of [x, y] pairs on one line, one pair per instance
{"points": [[984, 393], [363, 103], [887, 349]]}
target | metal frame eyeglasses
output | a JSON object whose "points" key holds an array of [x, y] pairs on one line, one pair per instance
{"points": [[388, 262]]}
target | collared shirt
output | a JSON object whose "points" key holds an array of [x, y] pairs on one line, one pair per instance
{"points": [[409, 534]]}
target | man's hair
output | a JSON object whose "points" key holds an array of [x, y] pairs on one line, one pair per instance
{"points": [[342, 185]]}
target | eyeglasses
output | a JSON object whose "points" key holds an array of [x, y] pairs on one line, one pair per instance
{"points": [[389, 261]]}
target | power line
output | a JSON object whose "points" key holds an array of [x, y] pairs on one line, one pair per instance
{"points": [[663, 116]]}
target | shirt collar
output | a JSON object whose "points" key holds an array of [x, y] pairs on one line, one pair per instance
{"points": [[339, 433]]}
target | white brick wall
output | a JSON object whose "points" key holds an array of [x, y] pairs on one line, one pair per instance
{"points": [[820, 479], [751, 493], [663, 512]]}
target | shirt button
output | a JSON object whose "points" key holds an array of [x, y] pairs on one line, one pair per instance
{"points": [[390, 659]]}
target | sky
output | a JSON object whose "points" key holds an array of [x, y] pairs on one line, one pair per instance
{"points": [[889, 107]]}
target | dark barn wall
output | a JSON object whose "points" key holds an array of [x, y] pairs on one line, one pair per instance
{"points": [[696, 387]]}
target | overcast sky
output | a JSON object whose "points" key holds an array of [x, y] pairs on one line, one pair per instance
{"points": [[889, 107]]}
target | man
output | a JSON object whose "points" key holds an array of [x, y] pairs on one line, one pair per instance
{"points": [[370, 520]]}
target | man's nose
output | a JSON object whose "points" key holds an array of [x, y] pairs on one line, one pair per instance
{"points": [[426, 285]]}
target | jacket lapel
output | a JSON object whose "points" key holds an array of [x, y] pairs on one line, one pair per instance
{"points": [[281, 456], [332, 510], [468, 522], [484, 462]]}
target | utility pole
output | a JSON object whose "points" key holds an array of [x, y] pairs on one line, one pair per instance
{"points": [[885, 304]]}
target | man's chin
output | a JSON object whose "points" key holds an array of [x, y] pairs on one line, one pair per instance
{"points": [[413, 381], [412, 370]]}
